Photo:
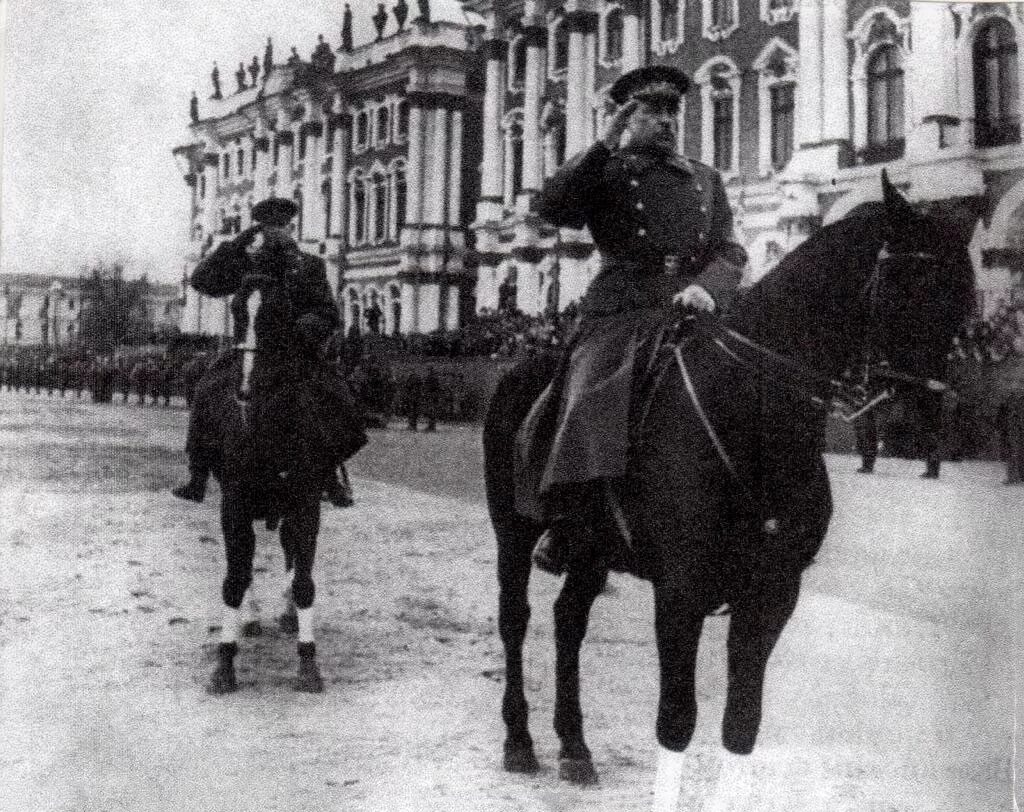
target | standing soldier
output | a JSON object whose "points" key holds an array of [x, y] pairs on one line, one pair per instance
{"points": [[122, 376], [413, 390], [431, 398], [865, 430], [663, 226]]}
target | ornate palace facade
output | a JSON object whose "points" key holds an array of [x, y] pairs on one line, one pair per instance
{"points": [[376, 143], [799, 103]]}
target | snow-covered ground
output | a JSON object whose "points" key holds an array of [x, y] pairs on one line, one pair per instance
{"points": [[893, 687]]}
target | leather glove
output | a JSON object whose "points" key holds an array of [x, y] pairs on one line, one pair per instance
{"points": [[695, 297]]}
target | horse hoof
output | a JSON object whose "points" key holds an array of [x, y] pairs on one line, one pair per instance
{"points": [[222, 681], [252, 628], [288, 623], [579, 771], [520, 758], [309, 680], [740, 741]]}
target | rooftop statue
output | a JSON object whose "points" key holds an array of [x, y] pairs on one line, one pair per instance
{"points": [[254, 70], [346, 29], [215, 78], [294, 58], [193, 108], [268, 58], [380, 19], [240, 77], [401, 11], [424, 6]]}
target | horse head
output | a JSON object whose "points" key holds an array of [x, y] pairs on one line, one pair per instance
{"points": [[921, 290]]}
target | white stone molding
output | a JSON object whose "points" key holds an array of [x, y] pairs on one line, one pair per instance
{"points": [[382, 138], [454, 196], [668, 45], [414, 176], [395, 170], [835, 102], [774, 12], [681, 127], [377, 187], [973, 18], [809, 86], [603, 36], [777, 64], [878, 27], [339, 171], [715, 30], [632, 39], [533, 89], [719, 70], [492, 177]]}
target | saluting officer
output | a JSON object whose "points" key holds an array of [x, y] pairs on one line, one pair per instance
{"points": [[663, 226]]}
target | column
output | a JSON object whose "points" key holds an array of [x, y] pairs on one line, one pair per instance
{"points": [[491, 182], [455, 171], [211, 171], [286, 139], [834, 73], [340, 127], [809, 108], [312, 205], [414, 178], [429, 315], [409, 321], [577, 92], [536, 40], [452, 310], [632, 43]]}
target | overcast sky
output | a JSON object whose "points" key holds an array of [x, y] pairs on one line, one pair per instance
{"points": [[95, 96]]}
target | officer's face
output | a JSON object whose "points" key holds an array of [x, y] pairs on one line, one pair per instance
{"points": [[653, 126]]}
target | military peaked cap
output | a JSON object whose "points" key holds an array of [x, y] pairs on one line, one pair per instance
{"points": [[275, 211], [650, 81]]}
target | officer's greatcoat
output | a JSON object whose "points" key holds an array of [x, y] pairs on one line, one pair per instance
{"points": [[660, 223]]}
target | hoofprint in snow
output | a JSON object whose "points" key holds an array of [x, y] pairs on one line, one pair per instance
{"points": [[892, 687]]}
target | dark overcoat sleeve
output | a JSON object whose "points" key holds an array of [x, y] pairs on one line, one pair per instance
{"points": [[220, 273], [569, 194], [724, 269], [315, 310]]}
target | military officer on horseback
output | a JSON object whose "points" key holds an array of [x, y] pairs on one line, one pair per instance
{"points": [[663, 226], [291, 327]]}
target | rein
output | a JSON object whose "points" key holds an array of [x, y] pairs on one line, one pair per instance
{"points": [[820, 390]]}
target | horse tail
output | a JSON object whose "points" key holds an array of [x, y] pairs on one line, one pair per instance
{"points": [[515, 394]]}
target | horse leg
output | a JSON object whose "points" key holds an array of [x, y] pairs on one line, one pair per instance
{"points": [[754, 629], [239, 546], [299, 529], [251, 625], [288, 619], [515, 542], [572, 612], [677, 627]]}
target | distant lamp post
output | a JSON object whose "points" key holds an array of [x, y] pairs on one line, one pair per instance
{"points": [[56, 295]]}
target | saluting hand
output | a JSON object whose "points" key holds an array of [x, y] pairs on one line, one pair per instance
{"points": [[245, 238], [617, 126], [695, 297]]}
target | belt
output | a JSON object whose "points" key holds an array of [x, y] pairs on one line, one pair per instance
{"points": [[623, 285]]}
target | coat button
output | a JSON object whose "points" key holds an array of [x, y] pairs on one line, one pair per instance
{"points": [[703, 209], [641, 232], [639, 205], [634, 183], [699, 188], [702, 236]]}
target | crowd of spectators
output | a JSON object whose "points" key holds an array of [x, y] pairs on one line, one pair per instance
{"points": [[992, 339]]}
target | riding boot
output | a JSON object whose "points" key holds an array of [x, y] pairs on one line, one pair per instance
{"points": [[567, 537], [195, 489], [337, 489]]}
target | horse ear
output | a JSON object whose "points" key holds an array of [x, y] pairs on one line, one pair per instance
{"points": [[899, 210]]}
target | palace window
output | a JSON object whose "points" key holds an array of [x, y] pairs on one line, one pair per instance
{"points": [[226, 165], [358, 231], [721, 18], [517, 63], [996, 92], [669, 19], [277, 151], [202, 185], [382, 125], [252, 161], [241, 162], [885, 105], [400, 200], [362, 129], [303, 137], [403, 119], [560, 51], [722, 129], [325, 203], [380, 207], [613, 35], [782, 109]]}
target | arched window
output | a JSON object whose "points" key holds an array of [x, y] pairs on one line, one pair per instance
{"points": [[669, 19], [885, 103], [362, 129], [358, 211], [782, 107], [202, 185], [613, 35], [403, 119], [400, 198], [382, 125], [325, 204], [354, 310], [517, 64], [240, 169], [561, 47], [227, 164], [722, 101], [380, 207], [996, 94]]}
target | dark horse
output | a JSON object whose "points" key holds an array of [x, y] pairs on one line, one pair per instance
{"points": [[269, 458], [728, 499]]}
